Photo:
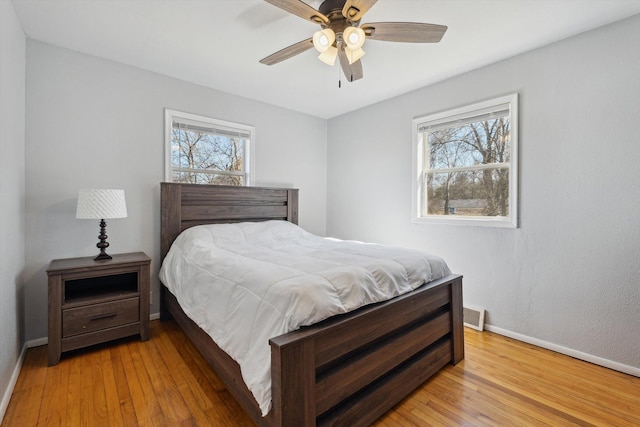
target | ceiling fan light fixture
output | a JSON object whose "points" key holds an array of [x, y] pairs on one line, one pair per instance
{"points": [[353, 37], [323, 39], [341, 35], [353, 55], [329, 56]]}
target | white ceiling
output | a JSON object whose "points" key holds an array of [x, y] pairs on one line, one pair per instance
{"points": [[218, 43]]}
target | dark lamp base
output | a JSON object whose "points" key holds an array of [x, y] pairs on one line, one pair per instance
{"points": [[102, 255], [103, 244]]}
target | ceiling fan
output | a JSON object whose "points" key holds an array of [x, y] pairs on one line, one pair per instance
{"points": [[342, 36]]}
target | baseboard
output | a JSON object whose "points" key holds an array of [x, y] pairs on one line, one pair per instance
{"points": [[4, 404], [37, 342], [616, 366]]}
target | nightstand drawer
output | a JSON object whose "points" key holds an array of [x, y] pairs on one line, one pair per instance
{"points": [[100, 316]]}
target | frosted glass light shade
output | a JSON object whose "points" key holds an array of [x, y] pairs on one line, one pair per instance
{"points": [[353, 55], [329, 56], [101, 204], [323, 39], [353, 37]]}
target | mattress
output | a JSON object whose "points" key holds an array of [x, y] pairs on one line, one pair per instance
{"points": [[245, 283]]}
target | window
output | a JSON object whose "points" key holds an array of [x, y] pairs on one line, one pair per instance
{"points": [[465, 165], [202, 150]]}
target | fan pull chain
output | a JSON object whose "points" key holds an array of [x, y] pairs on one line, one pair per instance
{"points": [[339, 80]]}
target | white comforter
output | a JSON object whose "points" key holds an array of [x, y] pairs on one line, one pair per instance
{"points": [[245, 283]]}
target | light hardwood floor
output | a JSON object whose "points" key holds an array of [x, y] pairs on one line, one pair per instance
{"points": [[165, 382]]}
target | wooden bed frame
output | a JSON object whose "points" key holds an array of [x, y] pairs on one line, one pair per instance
{"points": [[347, 370]]}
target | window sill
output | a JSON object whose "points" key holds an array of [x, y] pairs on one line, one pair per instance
{"points": [[497, 222]]}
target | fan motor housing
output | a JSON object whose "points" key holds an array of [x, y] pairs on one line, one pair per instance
{"points": [[332, 9], [329, 6]]}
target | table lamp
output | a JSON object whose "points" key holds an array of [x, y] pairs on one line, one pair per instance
{"points": [[101, 204]]}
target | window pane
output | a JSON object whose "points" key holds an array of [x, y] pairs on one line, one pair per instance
{"points": [[465, 165], [205, 150], [470, 193], [470, 144], [197, 150], [207, 178]]}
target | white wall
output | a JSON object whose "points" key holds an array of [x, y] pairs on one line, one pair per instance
{"points": [[12, 196], [570, 275], [93, 123]]}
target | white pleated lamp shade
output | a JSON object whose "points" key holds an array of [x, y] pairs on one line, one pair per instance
{"points": [[101, 204]]}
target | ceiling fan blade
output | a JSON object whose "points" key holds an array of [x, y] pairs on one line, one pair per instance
{"points": [[301, 9], [408, 32], [353, 71], [288, 52], [354, 9]]}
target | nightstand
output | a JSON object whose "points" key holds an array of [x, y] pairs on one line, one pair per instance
{"points": [[91, 302]]}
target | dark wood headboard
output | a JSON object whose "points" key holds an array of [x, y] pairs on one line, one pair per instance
{"points": [[186, 205]]}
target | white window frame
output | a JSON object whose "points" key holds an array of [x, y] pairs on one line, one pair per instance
{"points": [[420, 164], [248, 157]]}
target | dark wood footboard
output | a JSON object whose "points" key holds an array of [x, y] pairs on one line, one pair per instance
{"points": [[351, 369]]}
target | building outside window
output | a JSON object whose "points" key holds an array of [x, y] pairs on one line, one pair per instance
{"points": [[465, 165], [203, 150]]}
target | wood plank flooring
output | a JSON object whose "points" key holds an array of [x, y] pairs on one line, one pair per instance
{"points": [[165, 382]]}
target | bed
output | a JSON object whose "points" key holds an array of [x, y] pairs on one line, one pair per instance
{"points": [[346, 370]]}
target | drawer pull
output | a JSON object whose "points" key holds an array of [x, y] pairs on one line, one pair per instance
{"points": [[103, 316]]}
